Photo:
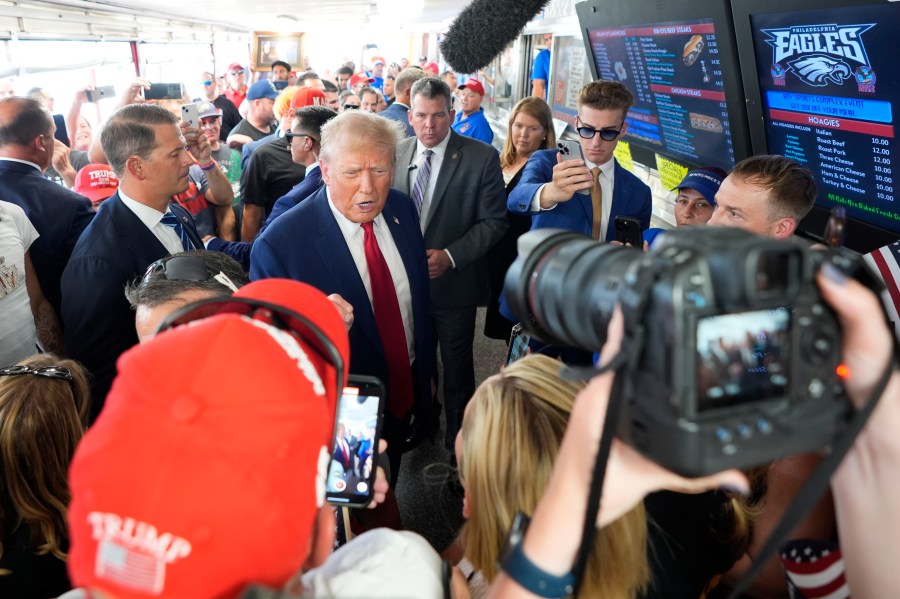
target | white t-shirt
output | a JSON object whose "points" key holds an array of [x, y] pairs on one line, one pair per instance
{"points": [[17, 335]]}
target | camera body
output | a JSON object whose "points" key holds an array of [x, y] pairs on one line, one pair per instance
{"points": [[734, 354]]}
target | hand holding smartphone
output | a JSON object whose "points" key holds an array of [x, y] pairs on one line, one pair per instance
{"points": [[353, 465], [571, 150], [190, 114], [628, 230], [97, 94]]}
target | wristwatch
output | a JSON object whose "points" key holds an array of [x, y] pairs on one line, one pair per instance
{"points": [[517, 566]]}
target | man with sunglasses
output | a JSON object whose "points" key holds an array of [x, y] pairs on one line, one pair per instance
{"points": [[237, 84], [587, 195], [303, 141], [135, 227], [230, 114]]}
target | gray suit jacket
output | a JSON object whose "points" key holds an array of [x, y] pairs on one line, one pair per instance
{"points": [[466, 215]]}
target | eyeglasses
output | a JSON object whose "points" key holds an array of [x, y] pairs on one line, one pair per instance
{"points": [[238, 72], [50, 372], [207, 82], [351, 106], [605, 134], [185, 268], [290, 137]]}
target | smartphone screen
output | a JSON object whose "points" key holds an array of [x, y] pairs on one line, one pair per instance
{"points": [[351, 471]]}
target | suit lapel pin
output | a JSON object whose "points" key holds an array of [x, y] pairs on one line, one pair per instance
{"points": [[455, 155], [396, 220]]}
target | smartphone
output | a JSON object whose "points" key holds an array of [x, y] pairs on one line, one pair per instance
{"points": [[96, 94], [628, 230], [571, 150], [518, 343], [163, 91], [834, 230], [357, 430], [190, 114]]}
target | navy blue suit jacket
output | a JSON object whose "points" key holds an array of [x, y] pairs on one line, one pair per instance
{"points": [[400, 113], [306, 244], [240, 250], [59, 215], [99, 323], [631, 197]]}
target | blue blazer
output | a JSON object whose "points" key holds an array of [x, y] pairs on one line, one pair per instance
{"points": [[240, 250], [59, 215], [306, 244], [400, 113], [115, 249], [631, 197]]}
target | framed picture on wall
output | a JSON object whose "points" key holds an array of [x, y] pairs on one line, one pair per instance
{"points": [[268, 47]]}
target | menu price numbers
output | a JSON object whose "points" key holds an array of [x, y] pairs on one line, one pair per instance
{"points": [[882, 151], [880, 160], [883, 179], [884, 196], [881, 141]]}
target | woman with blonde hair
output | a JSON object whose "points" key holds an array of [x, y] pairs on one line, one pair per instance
{"points": [[511, 433], [43, 407], [530, 129]]}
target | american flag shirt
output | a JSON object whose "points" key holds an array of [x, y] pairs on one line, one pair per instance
{"points": [[814, 570]]}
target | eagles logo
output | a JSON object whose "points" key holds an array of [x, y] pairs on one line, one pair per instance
{"points": [[819, 70]]}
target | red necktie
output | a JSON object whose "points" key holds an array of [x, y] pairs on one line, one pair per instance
{"points": [[390, 326]]}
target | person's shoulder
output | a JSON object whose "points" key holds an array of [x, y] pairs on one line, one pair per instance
{"points": [[627, 175]]}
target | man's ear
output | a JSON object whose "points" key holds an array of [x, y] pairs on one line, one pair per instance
{"points": [[326, 172], [784, 227], [134, 167]]}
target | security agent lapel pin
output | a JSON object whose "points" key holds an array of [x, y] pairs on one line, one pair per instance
{"points": [[455, 155], [396, 220]]}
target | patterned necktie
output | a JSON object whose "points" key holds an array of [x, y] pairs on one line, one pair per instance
{"points": [[170, 220], [597, 203], [418, 191], [386, 307]]}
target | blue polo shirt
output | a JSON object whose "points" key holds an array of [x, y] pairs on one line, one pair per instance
{"points": [[475, 125]]}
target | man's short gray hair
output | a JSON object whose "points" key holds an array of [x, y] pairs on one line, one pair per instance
{"points": [[431, 88], [157, 289]]}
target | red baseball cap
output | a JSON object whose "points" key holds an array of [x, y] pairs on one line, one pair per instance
{"points": [[474, 85], [199, 478], [308, 96], [235, 66], [377, 59], [96, 182], [432, 67], [361, 77]]}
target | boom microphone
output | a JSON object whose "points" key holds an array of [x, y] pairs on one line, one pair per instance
{"points": [[484, 29]]}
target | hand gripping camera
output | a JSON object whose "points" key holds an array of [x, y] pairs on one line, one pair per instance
{"points": [[733, 355]]}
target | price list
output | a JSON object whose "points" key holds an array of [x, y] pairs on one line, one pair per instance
{"points": [[675, 74]]}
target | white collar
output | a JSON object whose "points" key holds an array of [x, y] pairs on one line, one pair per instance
{"points": [[440, 148], [28, 162], [147, 215]]}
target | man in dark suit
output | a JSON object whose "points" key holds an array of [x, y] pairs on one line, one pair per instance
{"points": [[358, 238], [399, 108], [457, 187], [303, 141], [550, 185], [59, 215], [133, 228]]}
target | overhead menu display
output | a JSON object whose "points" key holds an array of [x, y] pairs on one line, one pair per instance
{"points": [[829, 82], [675, 73]]}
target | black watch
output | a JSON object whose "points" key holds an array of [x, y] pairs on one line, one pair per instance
{"points": [[517, 566]]}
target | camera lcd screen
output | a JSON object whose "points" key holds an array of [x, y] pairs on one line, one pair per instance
{"points": [[352, 459], [743, 357]]}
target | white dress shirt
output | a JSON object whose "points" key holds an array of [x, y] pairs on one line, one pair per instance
{"points": [[152, 219], [355, 237], [437, 159], [607, 184]]}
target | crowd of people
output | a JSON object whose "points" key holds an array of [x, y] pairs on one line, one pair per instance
{"points": [[308, 228]]}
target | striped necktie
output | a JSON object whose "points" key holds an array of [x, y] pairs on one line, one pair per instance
{"points": [[418, 191], [170, 220]]}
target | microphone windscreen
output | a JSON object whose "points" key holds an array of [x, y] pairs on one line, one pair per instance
{"points": [[483, 29]]}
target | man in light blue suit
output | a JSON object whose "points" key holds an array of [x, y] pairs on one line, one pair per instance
{"points": [[585, 196]]}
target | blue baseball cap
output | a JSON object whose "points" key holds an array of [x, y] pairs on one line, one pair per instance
{"points": [[705, 180], [262, 89]]}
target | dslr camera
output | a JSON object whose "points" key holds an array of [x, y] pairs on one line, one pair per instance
{"points": [[733, 354]]}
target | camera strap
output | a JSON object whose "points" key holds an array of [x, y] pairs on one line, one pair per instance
{"points": [[818, 481]]}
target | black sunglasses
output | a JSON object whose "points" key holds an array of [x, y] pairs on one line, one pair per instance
{"points": [[290, 137], [605, 134], [351, 106], [185, 268], [50, 372]]}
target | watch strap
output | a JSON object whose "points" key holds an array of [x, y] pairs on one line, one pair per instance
{"points": [[533, 578]]}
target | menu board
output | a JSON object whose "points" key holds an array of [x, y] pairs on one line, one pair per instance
{"points": [[571, 72], [675, 73], [829, 82]]}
